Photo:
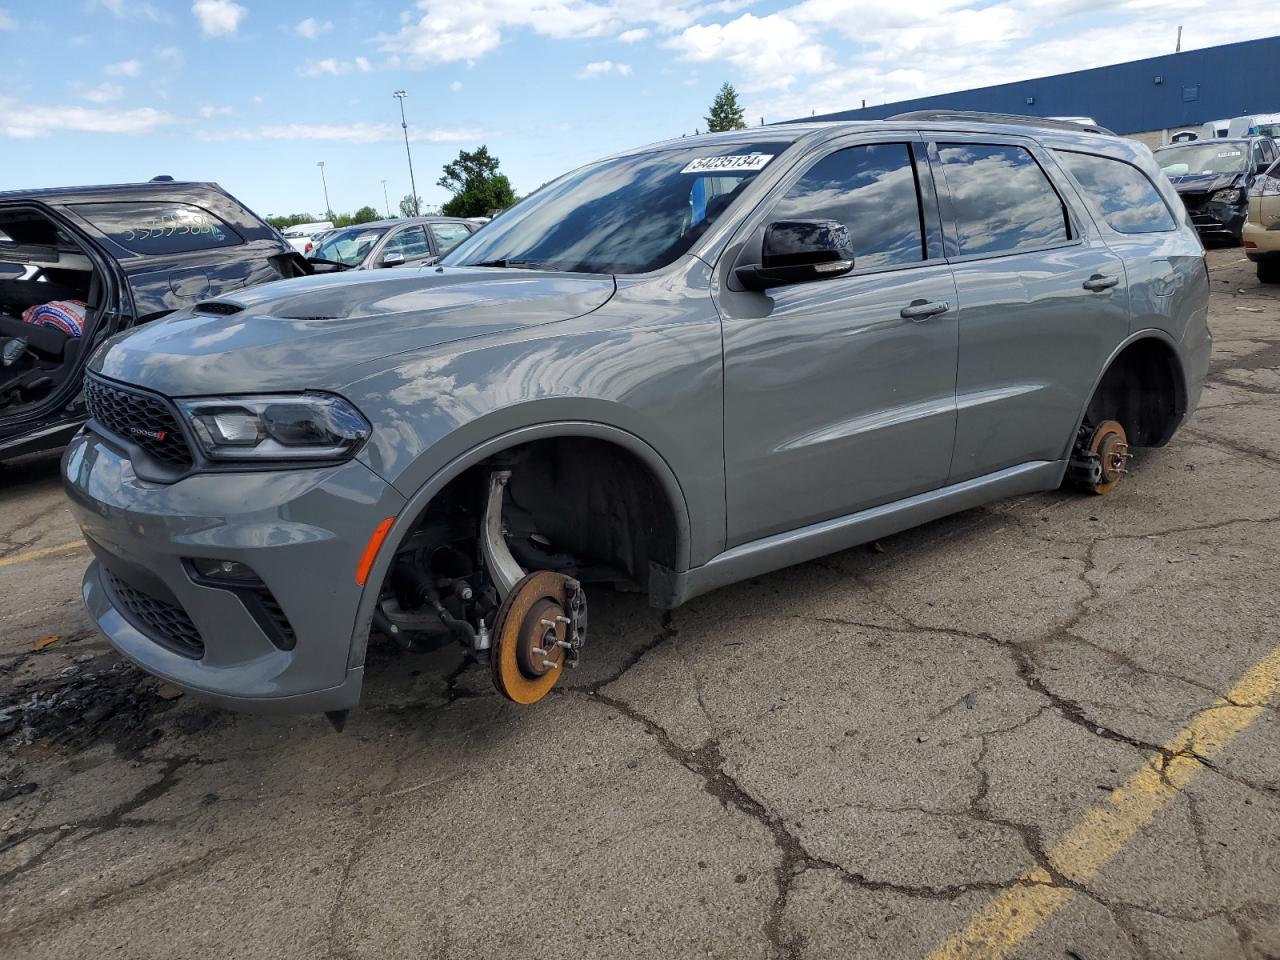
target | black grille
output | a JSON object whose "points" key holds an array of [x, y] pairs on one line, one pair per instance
{"points": [[139, 418], [162, 622], [285, 638], [215, 306]]}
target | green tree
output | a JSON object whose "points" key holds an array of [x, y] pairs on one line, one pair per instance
{"points": [[285, 221], [408, 205], [365, 215], [726, 113], [477, 186]]}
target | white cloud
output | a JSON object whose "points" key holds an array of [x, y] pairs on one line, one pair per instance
{"points": [[633, 36], [455, 86], [218, 18], [103, 93], [26, 121], [131, 10], [345, 132], [6, 20], [332, 67], [209, 111], [125, 68], [601, 67], [769, 49], [311, 28]]}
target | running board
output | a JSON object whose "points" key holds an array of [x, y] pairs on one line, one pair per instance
{"points": [[841, 533]]}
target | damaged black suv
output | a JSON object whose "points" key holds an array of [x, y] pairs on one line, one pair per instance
{"points": [[81, 263]]}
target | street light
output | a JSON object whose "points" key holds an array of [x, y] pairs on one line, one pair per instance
{"points": [[400, 95], [385, 202], [328, 210]]}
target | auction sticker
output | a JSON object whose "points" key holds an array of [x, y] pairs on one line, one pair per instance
{"points": [[737, 164]]}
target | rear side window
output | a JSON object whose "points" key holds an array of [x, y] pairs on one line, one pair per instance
{"points": [[872, 191], [159, 227], [1122, 193], [448, 235], [1002, 200]]}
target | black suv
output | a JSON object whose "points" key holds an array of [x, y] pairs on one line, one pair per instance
{"points": [[80, 263], [1213, 178]]}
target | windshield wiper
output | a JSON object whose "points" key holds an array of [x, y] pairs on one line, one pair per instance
{"points": [[333, 263], [512, 264]]}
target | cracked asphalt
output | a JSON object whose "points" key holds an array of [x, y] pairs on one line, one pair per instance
{"points": [[1025, 724]]}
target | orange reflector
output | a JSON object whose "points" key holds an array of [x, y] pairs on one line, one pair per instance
{"points": [[371, 550]]}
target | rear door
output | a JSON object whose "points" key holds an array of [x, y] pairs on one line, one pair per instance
{"points": [[446, 236], [1042, 300], [840, 393], [406, 245]]}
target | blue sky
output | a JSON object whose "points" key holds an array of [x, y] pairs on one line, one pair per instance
{"points": [[253, 93]]}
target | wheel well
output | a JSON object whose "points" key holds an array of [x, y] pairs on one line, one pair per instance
{"points": [[572, 502], [1142, 389]]}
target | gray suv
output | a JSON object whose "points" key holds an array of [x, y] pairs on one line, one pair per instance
{"points": [[676, 368]]}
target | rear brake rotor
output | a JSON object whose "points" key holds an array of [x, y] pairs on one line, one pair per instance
{"points": [[538, 630], [1111, 446]]}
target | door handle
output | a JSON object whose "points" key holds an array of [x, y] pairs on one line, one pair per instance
{"points": [[1097, 283], [921, 310]]}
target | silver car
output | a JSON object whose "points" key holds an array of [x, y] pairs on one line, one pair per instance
{"points": [[389, 243], [676, 368]]}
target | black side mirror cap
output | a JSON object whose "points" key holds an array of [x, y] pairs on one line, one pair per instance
{"points": [[799, 251]]}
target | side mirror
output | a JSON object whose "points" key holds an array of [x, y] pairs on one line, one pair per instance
{"points": [[799, 251], [392, 259]]}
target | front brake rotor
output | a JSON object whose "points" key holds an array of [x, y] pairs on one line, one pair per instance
{"points": [[1111, 447], [538, 630]]}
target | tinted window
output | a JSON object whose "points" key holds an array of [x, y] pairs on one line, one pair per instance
{"points": [[1122, 193], [1001, 198], [348, 247], [872, 191], [410, 242], [627, 215], [158, 227], [449, 235]]}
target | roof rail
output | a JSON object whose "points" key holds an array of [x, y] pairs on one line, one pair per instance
{"points": [[974, 116]]}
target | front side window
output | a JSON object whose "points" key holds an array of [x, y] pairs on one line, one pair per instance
{"points": [[628, 215], [1122, 193], [348, 248], [448, 235], [872, 191], [1001, 199], [410, 242], [158, 227]]}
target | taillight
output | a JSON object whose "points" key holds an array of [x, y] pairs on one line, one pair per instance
{"points": [[310, 247]]}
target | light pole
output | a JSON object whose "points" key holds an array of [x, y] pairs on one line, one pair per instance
{"points": [[385, 202], [328, 211], [400, 95]]}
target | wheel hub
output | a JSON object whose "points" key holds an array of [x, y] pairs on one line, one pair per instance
{"points": [[539, 629], [1109, 456]]}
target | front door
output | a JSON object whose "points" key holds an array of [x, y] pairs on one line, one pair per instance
{"points": [[1043, 299], [840, 393]]}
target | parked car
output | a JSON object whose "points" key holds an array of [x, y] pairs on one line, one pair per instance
{"points": [[1262, 229], [390, 243], [302, 236], [109, 257], [1213, 178], [673, 369]]}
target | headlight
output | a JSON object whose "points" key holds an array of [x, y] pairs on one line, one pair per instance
{"points": [[306, 426], [1226, 196]]}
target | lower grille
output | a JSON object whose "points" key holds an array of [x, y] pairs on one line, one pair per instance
{"points": [[141, 418], [164, 623]]}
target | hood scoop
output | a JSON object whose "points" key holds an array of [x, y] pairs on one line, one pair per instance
{"points": [[219, 308]]}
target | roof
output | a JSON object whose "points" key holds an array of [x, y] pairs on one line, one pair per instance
{"points": [[401, 221], [154, 187], [1156, 93]]}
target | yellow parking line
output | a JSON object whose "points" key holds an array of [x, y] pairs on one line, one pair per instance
{"points": [[42, 552], [1018, 912]]}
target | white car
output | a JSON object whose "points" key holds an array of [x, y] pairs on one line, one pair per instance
{"points": [[300, 234]]}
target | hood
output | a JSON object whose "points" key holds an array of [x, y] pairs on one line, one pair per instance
{"points": [[312, 332], [1205, 182]]}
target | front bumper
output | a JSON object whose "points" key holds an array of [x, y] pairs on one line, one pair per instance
{"points": [[301, 531], [1215, 220]]}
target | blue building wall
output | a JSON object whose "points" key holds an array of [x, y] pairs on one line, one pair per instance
{"points": [[1193, 87]]}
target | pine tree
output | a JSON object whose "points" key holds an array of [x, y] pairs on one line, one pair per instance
{"points": [[726, 113]]}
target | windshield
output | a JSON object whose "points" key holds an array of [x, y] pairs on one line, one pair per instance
{"points": [[348, 247], [628, 215], [1195, 158]]}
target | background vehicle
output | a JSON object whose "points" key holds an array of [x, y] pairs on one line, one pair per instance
{"points": [[1213, 178], [129, 254], [674, 369], [389, 243], [1262, 229], [301, 236]]}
